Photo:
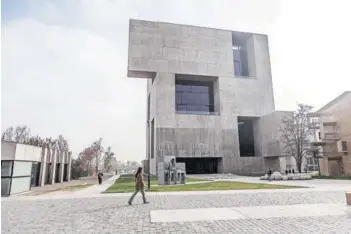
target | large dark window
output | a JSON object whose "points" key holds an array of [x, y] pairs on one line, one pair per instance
{"points": [[246, 137], [194, 97]]}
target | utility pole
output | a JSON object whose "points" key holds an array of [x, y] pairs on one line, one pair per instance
{"points": [[148, 156]]}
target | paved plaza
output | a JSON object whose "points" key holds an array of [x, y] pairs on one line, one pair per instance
{"points": [[315, 210]]}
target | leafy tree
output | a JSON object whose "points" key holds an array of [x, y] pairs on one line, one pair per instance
{"points": [[295, 132]]}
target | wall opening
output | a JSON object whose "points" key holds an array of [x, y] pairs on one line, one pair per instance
{"points": [[241, 54], [194, 94], [65, 172], [246, 137], [200, 165]]}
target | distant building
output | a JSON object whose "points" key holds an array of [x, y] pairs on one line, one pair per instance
{"points": [[25, 166], [209, 98], [333, 135]]}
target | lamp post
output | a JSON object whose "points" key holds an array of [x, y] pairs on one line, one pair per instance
{"points": [[148, 156]]}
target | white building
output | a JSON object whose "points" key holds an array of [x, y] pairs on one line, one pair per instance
{"points": [[25, 166]]}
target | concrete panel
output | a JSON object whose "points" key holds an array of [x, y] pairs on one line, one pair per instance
{"points": [[28, 153], [188, 49], [8, 150], [69, 166]]}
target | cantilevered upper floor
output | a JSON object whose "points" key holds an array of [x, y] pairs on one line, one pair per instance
{"points": [[183, 49]]}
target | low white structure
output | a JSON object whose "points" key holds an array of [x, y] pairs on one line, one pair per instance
{"points": [[24, 166]]}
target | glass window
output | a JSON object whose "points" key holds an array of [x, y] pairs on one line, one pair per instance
{"points": [[194, 96], [344, 145], [237, 67], [5, 186], [6, 168], [241, 67]]}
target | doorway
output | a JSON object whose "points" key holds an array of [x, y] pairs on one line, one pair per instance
{"points": [[200, 165]]}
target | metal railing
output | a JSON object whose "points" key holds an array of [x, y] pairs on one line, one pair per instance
{"points": [[191, 110]]}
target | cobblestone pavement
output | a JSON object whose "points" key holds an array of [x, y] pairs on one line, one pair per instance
{"points": [[108, 214]]}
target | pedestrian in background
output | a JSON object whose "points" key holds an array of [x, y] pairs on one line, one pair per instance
{"points": [[100, 175]]}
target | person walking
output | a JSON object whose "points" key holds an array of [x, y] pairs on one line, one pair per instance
{"points": [[100, 175], [139, 186]]}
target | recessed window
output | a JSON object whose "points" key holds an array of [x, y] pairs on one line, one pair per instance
{"points": [[194, 97], [241, 67], [246, 137]]}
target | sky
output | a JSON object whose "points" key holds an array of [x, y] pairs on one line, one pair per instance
{"points": [[64, 63]]}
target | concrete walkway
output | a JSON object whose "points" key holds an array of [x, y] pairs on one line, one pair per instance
{"points": [[97, 189]]}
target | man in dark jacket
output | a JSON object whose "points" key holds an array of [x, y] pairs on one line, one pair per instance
{"points": [[100, 175]]}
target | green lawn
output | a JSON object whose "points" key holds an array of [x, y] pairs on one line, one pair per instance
{"points": [[333, 177], [127, 184]]}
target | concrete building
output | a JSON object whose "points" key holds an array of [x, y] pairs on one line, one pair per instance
{"points": [[25, 166], [209, 98], [333, 133]]}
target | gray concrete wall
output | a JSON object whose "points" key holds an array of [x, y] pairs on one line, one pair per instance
{"points": [[163, 50]]}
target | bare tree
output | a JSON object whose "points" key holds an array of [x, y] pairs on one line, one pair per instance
{"points": [[98, 149], [316, 153], [8, 134], [295, 131], [107, 158], [61, 143], [20, 134]]}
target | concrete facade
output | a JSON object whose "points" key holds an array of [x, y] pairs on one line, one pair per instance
{"points": [[24, 166], [160, 51], [334, 130]]}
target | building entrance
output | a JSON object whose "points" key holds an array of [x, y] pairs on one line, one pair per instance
{"points": [[200, 165]]}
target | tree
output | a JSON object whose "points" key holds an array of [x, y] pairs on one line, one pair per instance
{"points": [[20, 134], [107, 158], [317, 155], [61, 143], [295, 131], [98, 149]]}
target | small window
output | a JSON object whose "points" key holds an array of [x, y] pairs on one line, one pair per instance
{"points": [[319, 136], [241, 67], [6, 168], [344, 146]]}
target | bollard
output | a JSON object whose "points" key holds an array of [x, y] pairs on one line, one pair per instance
{"points": [[348, 198]]}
